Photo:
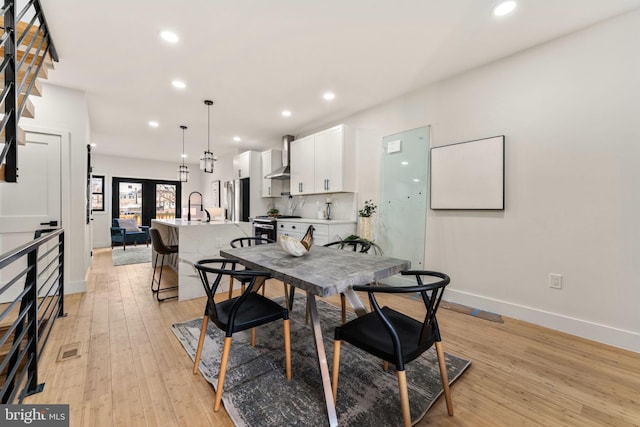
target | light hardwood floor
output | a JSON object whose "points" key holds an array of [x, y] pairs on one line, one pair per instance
{"points": [[133, 371]]}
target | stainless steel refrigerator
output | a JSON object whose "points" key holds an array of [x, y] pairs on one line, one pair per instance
{"points": [[237, 200]]}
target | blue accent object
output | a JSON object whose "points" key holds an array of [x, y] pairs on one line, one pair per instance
{"points": [[120, 236], [475, 312]]}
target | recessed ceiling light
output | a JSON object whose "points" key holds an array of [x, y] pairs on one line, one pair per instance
{"points": [[93, 144], [416, 180], [237, 139], [169, 36], [329, 96], [286, 113], [183, 156], [504, 8], [405, 163], [154, 124], [179, 84]]}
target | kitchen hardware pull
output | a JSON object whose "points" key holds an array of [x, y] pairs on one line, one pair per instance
{"points": [[269, 190], [50, 223], [327, 184]]}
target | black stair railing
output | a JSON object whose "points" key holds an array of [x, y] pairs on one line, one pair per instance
{"points": [[31, 44], [32, 295]]}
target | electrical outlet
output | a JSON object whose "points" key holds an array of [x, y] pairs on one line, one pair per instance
{"points": [[218, 242], [555, 281]]}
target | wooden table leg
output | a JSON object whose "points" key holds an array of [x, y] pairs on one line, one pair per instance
{"points": [[322, 360]]}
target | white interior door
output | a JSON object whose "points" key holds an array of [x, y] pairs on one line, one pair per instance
{"points": [[31, 203]]}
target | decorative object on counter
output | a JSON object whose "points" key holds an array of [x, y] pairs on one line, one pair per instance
{"points": [[298, 247], [183, 171], [364, 224], [273, 212], [207, 159]]}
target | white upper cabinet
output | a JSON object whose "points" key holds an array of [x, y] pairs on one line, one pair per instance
{"points": [[324, 162], [302, 166], [242, 165], [271, 160]]}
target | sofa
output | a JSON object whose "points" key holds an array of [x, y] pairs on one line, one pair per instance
{"points": [[126, 232]]}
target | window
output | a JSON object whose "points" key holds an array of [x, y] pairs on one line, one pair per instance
{"points": [[97, 193]]}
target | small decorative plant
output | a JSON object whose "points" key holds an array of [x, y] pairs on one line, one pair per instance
{"points": [[273, 212], [368, 210], [377, 250]]}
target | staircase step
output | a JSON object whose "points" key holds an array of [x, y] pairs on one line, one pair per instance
{"points": [[21, 26], [29, 109], [48, 62], [22, 136]]}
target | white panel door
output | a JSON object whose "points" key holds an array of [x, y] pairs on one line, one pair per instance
{"points": [[35, 199]]}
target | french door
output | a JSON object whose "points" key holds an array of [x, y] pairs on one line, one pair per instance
{"points": [[145, 199]]}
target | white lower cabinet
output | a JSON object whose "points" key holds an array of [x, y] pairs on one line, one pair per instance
{"points": [[323, 231]]}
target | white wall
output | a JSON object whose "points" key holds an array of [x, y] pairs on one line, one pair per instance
{"points": [[569, 110], [66, 110]]}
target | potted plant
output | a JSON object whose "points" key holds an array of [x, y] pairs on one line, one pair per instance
{"points": [[377, 250], [365, 219]]}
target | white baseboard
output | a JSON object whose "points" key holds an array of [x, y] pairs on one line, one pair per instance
{"points": [[628, 340]]}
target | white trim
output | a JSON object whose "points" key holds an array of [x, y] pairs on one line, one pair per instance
{"points": [[75, 287], [65, 189], [610, 335]]}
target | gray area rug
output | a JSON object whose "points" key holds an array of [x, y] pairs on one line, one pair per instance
{"points": [[133, 255], [256, 392]]}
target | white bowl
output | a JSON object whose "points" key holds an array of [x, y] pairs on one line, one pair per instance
{"points": [[292, 246]]}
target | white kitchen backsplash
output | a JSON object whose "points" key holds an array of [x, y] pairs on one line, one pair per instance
{"points": [[342, 205]]}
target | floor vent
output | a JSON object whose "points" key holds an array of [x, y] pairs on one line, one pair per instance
{"points": [[68, 351]]}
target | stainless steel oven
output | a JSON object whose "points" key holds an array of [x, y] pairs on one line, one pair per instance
{"points": [[266, 226]]}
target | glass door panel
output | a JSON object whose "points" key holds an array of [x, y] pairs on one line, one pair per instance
{"points": [[166, 201], [130, 201]]}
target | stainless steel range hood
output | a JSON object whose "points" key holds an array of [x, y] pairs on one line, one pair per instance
{"points": [[283, 172]]}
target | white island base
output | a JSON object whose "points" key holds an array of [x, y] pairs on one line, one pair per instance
{"points": [[196, 240]]}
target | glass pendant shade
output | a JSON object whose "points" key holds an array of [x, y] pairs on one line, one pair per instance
{"points": [[183, 171], [206, 162], [207, 159]]}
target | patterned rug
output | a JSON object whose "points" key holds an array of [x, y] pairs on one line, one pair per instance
{"points": [[256, 392], [133, 255]]}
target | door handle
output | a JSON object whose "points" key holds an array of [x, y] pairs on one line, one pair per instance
{"points": [[50, 223]]}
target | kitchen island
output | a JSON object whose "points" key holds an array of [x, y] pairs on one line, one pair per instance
{"points": [[196, 240]]}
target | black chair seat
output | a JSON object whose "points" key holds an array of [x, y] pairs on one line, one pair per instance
{"points": [[368, 333], [254, 311]]}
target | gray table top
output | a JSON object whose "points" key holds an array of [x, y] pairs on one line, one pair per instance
{"points": [[323, 271]]}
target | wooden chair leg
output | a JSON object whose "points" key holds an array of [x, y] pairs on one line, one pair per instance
{"points": [[231, 286], [223, 372], [404, 398], [335, 369], [203, 333], [306, 316], [343, 303], [287, 348], [242, 288], [444, 377], [253, 337]]}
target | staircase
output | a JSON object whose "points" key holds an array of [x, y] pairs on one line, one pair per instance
{"points": [[27, 54]]}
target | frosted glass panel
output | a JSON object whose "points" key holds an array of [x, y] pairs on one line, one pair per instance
{"points": [[403, 198]]}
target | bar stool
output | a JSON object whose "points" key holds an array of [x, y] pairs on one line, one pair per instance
{"points": [[161, 249]]}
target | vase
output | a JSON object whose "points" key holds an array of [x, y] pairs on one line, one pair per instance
{"points": [[364, 227]]}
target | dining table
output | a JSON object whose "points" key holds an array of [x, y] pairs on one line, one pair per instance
{"points": [[321, 272]]}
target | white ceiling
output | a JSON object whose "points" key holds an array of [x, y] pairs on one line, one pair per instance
{"points": [[255, 58]]}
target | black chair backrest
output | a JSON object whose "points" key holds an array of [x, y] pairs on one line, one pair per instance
{"points": [[431, 294], [355, 245], [241, 242], [212, 271], [158, 243]]}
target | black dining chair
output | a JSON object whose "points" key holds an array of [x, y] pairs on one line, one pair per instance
{"points": [[246, 311], [161, 249], [395, 337], [355, 245], [242, 242]]}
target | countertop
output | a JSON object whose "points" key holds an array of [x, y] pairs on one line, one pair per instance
{"points": [[181, 222], [318, 221]]}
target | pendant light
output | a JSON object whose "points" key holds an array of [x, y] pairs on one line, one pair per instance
{"points": [[183, 171], [207, 159]]}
